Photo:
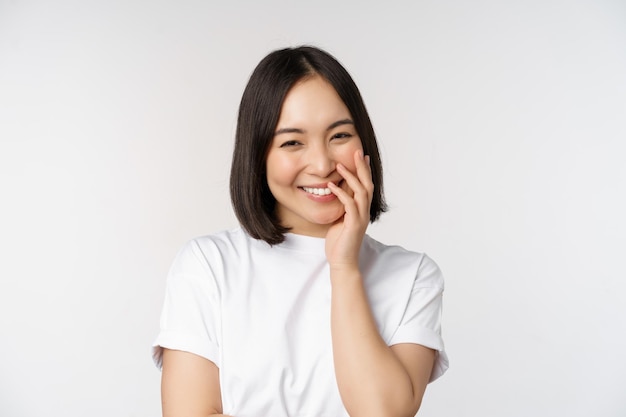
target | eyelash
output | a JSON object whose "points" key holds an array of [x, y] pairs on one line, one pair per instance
{"points": [[342, 135], [289, 143]]}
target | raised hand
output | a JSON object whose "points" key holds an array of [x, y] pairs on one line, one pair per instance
{"points": [[344, 237]]}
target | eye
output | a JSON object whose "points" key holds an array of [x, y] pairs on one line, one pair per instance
{"points": [[290, 143], [342, 135]]}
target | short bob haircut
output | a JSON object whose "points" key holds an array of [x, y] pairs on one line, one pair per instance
{"points": [[259, 112]]}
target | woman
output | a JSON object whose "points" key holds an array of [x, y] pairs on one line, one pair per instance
{"points": [[298, 312]]}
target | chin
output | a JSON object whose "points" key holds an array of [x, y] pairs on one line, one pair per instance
{"points": [[328, 219]]}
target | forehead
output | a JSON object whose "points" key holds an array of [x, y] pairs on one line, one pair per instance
{"points": [[312, 101]]}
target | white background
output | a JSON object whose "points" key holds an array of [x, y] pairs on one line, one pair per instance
{"points": [[502, 126]]}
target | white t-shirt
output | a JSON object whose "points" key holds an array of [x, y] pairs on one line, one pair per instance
{"points": [[262, 315]]}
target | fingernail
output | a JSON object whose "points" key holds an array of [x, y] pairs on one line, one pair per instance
{"points": [[360, 153], [367, 159]]}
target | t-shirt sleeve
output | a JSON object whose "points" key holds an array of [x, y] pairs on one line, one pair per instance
{"points": [[191, 314], [421, 321]]}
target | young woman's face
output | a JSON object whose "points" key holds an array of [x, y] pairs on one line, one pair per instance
{"points": [[315, 131]]}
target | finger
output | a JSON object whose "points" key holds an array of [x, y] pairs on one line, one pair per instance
{"points": [[358, 204], [346, 199], [344, 195], [361, 194], [364, 170], [364, 175]]}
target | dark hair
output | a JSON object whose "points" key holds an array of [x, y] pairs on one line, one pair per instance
{"points": [[259, 112]]}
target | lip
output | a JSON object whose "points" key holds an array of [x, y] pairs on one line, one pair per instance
{"points": [[322, 184], [320, 198]]}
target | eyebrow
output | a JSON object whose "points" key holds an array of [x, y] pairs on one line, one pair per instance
{"points": [[330, 127]]}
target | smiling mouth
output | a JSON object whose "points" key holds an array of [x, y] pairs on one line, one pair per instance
{"points": [[319, 190]]}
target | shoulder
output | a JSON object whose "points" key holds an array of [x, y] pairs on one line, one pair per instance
{"points": [[210, 250], [224, 240], [397, 259]]}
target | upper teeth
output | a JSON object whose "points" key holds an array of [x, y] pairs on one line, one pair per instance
{"points": [[317, 191]]}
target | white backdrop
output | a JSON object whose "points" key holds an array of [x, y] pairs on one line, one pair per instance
{"points": [[502, 126]]}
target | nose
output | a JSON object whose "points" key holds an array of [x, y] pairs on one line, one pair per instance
{"points": [[320, 161]]}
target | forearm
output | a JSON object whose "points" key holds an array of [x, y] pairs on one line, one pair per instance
{"points": [[371, 379]]}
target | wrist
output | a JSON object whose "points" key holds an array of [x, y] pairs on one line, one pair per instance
{"points": [[345, 271]]}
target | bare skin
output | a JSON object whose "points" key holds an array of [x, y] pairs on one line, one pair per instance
{"points": [[190, 386]]}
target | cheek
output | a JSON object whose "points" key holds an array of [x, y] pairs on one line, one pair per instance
{"points": [[280, 171], [347, 156]]}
